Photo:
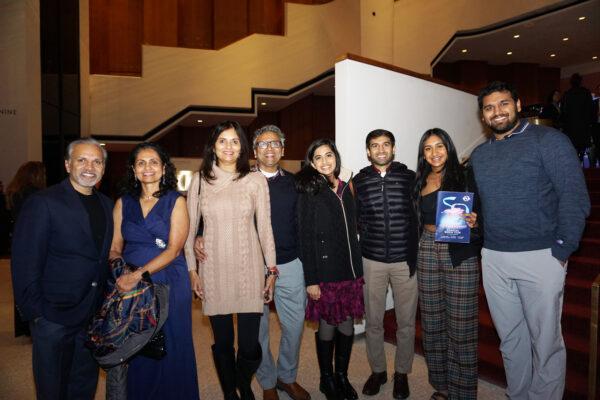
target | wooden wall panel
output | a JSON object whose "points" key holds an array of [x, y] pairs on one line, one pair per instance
{"points": [[160, 22], [115, 35], [230, 21], [265, 16], [99, 41], [533, 82], [195, 24], [119, 27]]}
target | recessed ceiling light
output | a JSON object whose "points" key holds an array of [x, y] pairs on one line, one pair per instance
{"points": [[463, 50], [516, 36], [102, 144], [262, 103], [552, 55], [508, 53], [200, 121], [565, 39], [595, 58], [581, 18]]}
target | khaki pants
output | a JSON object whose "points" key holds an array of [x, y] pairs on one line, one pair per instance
{"points": [[404, 289]]}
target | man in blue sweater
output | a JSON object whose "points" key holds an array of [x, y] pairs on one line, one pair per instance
{"points": [[534, 203], [290, 291]]}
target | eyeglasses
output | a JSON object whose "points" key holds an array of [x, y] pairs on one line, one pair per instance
{"points": [[275, 144]]}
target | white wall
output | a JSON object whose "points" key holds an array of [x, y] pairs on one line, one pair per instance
{"points": [[20, 86], [368, 97]]}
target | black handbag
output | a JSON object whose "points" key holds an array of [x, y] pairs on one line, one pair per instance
{"points": [[156, 348]]}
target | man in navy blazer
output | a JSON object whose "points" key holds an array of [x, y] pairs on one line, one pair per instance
{"points": [[59, 267]]}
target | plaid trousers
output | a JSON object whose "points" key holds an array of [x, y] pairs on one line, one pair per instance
{"points": [[448, 299]]}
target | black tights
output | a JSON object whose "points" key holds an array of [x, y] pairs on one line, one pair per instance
{"points": [[248, 325], [327, 331]]}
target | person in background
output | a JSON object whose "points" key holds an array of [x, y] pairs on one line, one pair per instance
{"points": [[290, 293], [448, 274], [233, 203], [30, 178], [534, 202], [388, 230], [150, 228], [59, 267], [551, 110], [595, 153], [577, 115], [332, 263]]}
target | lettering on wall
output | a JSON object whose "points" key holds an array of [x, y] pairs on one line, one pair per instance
{"points": [[8, 111]]}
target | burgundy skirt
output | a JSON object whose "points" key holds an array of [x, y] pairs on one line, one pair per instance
{"points": [[339, 300]]}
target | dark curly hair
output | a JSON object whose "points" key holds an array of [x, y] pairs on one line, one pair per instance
{"points": [[242, 164], [131, 186], [308, 179]]}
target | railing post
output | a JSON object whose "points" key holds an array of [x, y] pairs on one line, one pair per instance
{"points": [[592, 370]]}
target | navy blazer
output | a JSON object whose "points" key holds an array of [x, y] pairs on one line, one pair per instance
{"points": [[57, 270]]}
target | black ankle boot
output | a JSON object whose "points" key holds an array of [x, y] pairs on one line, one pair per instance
{"points": [[225, 365], [343, 350], [327, 385], [245, 369]]}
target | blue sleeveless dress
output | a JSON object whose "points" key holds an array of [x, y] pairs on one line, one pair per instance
{"points": [[173, 377]]}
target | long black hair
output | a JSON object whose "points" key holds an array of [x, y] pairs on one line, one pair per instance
{"points": [[242, 164], [130, 185], [453, 178], [309, 180]]}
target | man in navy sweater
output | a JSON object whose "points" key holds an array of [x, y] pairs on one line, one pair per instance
{"points": [[534, 203], [290, 291]]}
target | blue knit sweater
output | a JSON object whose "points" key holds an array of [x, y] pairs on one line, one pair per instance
{"points": [[532, 190]]}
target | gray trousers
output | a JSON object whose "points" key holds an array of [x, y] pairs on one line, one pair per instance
{"points": [[524, 291], [404, 288], [290, 300]]}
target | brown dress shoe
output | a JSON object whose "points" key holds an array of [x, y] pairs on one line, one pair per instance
{"points": [[295, 391], [374, 382], [270, 394]]}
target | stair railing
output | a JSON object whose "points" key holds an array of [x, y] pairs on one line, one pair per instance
{"points": [[592, 370]]}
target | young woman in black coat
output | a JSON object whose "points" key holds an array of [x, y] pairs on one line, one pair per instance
{"points": [[332, 263]]}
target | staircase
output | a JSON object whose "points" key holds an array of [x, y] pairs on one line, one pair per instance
{"points": [[584, 266]]}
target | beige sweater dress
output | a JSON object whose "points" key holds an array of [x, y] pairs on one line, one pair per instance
{"points": [[233, 275]]}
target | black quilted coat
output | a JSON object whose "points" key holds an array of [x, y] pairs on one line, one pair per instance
{"points": [[387, 222]]}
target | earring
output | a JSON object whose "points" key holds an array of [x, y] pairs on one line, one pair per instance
{"points": [[162, 180], [135, 181]]}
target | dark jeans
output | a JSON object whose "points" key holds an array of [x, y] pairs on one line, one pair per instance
{"points": [[248, 325], [63, 368]]}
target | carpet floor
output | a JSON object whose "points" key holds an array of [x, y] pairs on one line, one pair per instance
{"points": [[16, 380]]}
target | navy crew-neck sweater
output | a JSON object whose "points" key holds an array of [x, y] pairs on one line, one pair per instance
{"points": [[283, 195], [532, 191]]}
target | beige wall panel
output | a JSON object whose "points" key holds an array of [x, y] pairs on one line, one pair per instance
{"points": [[20, 86], [174, 78], [377, 30]]}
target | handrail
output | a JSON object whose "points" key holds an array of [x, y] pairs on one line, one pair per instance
{"points": [[592, 370]]}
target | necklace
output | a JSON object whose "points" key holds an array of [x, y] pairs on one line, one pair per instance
{"points": [[147, 197]]}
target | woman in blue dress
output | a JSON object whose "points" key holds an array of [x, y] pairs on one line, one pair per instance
{"points": [[151, 225]]}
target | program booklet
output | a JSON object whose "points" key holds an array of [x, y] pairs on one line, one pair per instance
{"points": [[450, 225]]}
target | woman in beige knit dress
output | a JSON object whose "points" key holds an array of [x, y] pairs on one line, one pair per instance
{"points": [[233, 204]]}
